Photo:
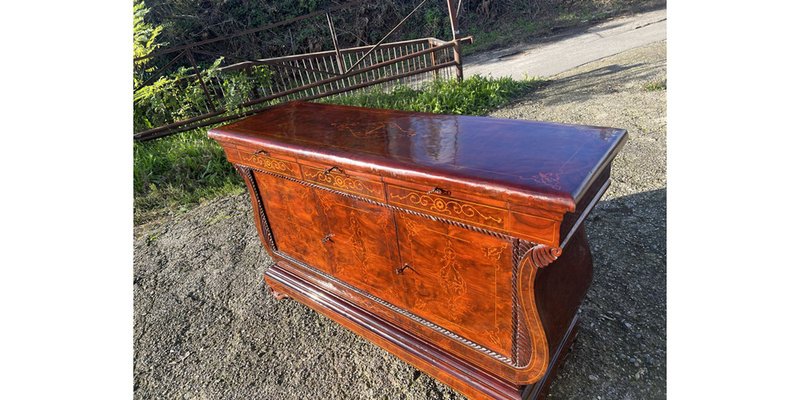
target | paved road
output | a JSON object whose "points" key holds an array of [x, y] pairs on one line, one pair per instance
{"points": [[555, 55]]}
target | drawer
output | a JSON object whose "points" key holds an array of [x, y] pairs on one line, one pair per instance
{"points": [[266, 161], [339, 179], [438, 202]]}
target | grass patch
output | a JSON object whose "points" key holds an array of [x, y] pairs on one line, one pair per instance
{"points": [[473, 96], [173, 173], [655, 86]]}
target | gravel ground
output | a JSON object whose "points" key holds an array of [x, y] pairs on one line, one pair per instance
{"points": [[205, 328]]}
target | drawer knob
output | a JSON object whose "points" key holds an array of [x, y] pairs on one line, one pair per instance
{"points": [[334, 169], [262, 152], [327, 238], [438, 190], [400, 270]]}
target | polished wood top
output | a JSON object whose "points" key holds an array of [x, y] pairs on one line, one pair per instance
{"points": [[554, 162]]}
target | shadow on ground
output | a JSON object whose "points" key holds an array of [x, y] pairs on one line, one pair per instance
{"points": [[621, 347]]}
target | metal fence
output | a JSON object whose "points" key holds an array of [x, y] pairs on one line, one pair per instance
{"points": [[202, 97]]}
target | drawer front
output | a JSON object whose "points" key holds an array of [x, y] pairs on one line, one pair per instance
{"points": [[339, 179], [263, 160], [295, 220], [447, 207], [458, 279]]}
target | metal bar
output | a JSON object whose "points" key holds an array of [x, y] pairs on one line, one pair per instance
{"points": [[308, 77], [252, 30], [320, 68], [359, 71], [378, 81], [254, 90], [433, 60], [162, 131], [215, 54], [396, 67], [346, 51], [371, 63], [158, 73], [388, 34], [335, 43], [200, 78], [457, 47], [148, 134], [326, 61]]}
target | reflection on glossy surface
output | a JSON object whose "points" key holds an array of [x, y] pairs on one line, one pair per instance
{"points": [[540, 157]]}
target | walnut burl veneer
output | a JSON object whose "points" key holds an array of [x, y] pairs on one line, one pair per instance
{"points": [[455, 243]]}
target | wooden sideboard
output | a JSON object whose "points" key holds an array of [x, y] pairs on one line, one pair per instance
{"points": [[454, 242]]}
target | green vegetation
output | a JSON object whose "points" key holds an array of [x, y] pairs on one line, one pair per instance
{"points": [[656, 85], [173, 173], [493, 23], [473, 96]]}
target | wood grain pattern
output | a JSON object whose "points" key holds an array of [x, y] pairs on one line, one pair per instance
{"points": [[458, 279], [364, 246], [455, 243], [540, 164], [296, 221]]}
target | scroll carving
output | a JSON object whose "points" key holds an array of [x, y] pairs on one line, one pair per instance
{"points": [[342, 181], [447, 207], [269, 163], [541, 255], [531, 354]]}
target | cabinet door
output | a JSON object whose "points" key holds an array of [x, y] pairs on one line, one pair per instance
{"points": [[297, 223], [458, 279], [364, 245]]}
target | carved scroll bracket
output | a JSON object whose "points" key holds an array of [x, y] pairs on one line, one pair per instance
{"points": [[541, 255]]}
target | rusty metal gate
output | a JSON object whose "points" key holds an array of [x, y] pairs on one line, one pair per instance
{"points": [[308, 76]]}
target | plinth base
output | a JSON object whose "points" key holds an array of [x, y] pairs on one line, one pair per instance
{"points": [[464, 377]]}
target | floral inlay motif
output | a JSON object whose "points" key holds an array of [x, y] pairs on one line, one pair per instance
{"points": [[494, 252], [549, 179], [453, 283], [269, 163], [494, 337], [368, 130], [341, 181], [446, 206], [356, 240], [411, 226]]}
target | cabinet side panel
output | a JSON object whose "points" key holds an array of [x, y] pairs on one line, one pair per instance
{"points": [[562, 285]]}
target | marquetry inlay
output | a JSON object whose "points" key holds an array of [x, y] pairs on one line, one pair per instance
{"points": [[447, 207]]}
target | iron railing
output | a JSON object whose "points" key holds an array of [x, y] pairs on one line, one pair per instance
{"points": [[219, 91]]}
